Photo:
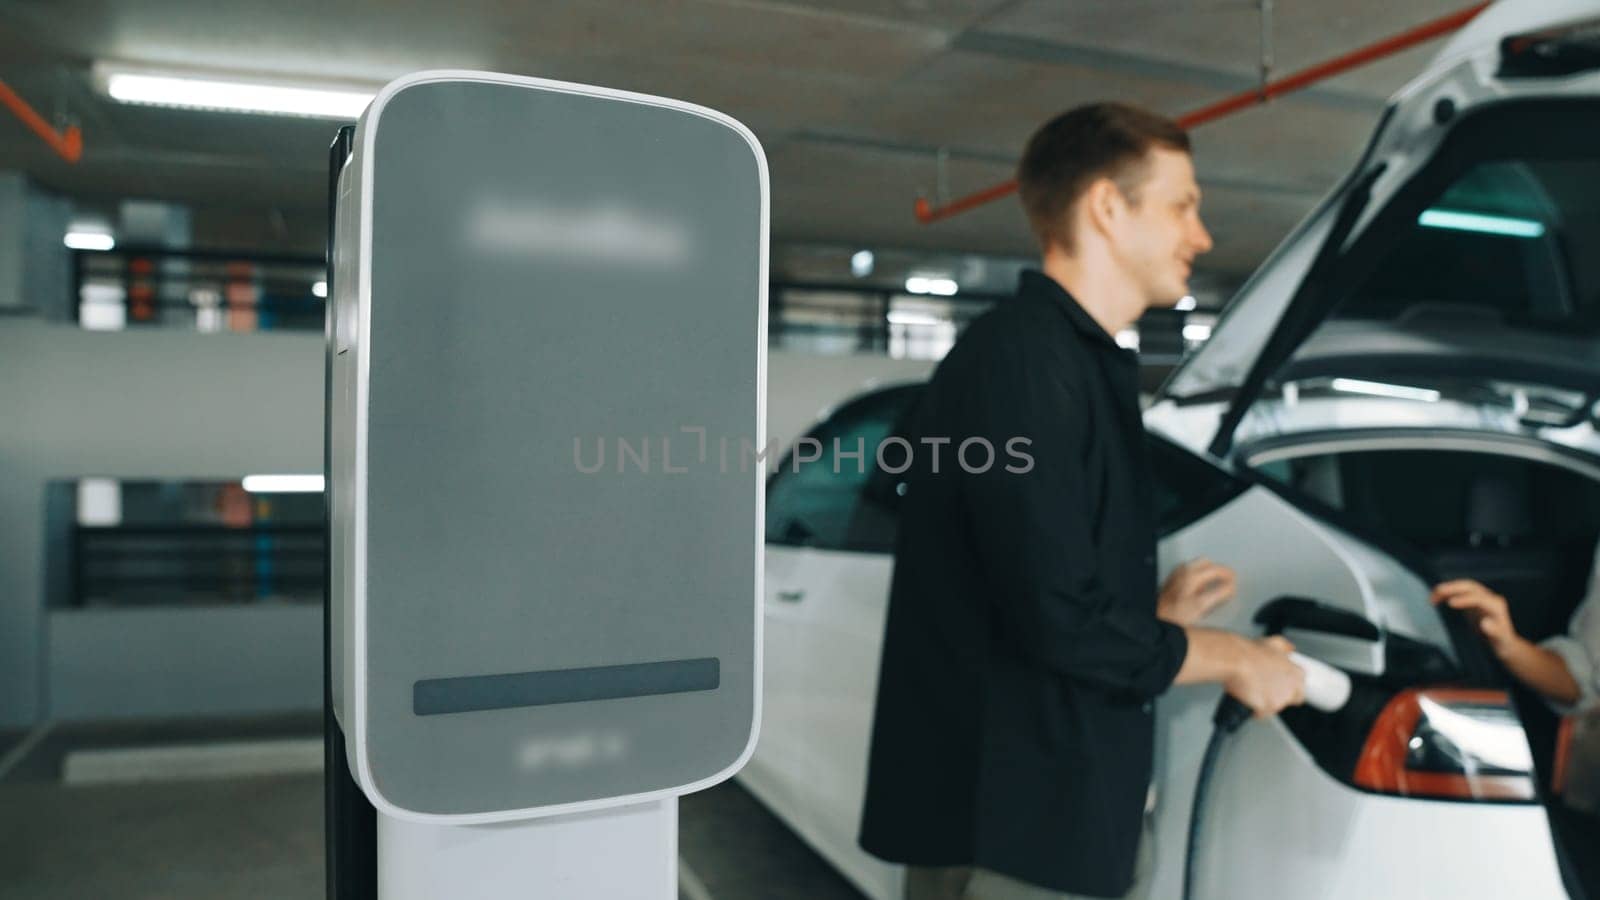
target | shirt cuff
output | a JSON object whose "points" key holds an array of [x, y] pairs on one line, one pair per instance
{"points": [[1580, 665], [1173, 648]]}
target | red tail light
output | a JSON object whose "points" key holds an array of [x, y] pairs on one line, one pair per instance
{"points": [[1456, 743]]}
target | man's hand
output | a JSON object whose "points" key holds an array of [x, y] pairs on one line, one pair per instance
{"points": [[1193, 590], [1264, 678], [1485, 609]]}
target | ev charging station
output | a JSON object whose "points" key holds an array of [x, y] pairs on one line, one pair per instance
{"points": [[547, 322]]}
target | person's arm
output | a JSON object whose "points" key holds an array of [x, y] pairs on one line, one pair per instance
{"points": [[1538, 667], [1257, 673], [1542, 669], [1035, 540]]}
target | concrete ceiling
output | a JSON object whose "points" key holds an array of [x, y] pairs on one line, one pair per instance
{"points": [[852, 100]]}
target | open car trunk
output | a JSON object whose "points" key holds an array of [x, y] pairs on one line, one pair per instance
{"points": [[1447, 293], [1474, 514]]}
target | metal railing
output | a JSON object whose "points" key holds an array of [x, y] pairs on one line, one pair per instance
{"points": [[135, 287]]}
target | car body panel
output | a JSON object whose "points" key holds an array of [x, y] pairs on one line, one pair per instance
{"points": [[802, 392], [1291, 829], [1307, 836], [826, 612]]}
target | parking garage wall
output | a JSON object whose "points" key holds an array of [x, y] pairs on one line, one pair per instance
{"points": [[158, 405]]}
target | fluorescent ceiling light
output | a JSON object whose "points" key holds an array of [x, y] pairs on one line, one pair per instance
{"points": [[912, 317], [861, 263], [1379, 389], [943, 287], [1185, 303], [283, 484], [1128, 339], [320, 289], [1478, 222], [89, 240], [235, 95], [1196, 332]]}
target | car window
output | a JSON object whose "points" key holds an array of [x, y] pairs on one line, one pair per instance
{"points": [[837, 500], [1507, 239]]}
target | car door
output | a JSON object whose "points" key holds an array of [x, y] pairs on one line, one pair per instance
{"points": [[830, 536]]}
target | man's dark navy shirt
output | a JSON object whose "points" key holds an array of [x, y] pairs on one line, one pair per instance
{"points": [[1022, 654]]}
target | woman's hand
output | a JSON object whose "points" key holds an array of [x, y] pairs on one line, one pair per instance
{"points": [[1486, 610]]}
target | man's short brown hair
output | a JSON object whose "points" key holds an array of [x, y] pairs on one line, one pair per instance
{"points": [[1073, 150]]}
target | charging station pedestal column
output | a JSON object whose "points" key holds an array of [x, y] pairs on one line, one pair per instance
{"points": [[546, 386], [628, 851]]}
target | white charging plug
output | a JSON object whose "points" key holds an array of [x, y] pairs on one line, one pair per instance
{"points": [[1327, 688]]}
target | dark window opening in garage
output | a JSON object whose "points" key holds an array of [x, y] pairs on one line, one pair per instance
{"points": [[831, 322], [182, 543], [824, 320], [198, 290]]}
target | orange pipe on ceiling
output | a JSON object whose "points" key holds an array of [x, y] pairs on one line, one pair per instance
{"points": [[67, 144], [926, 213]]}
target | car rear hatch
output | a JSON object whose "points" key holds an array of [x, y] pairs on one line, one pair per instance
{"points": [[1459, 261], [1452, 281]]}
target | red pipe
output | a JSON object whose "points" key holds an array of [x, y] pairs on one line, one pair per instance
{"points": [[68, 144], [1299, 80]]}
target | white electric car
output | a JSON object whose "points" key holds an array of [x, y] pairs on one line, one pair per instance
{"points": [[1405, 392]]}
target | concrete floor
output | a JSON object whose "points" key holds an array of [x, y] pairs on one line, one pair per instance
{"points": [[261, 837]]}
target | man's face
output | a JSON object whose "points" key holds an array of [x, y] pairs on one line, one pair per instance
{"points": [[1161, 234]]}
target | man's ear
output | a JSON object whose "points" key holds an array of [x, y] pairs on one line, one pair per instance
{"points": [[1103, 204]]}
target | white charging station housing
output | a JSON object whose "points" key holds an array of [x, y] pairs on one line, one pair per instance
{"points": [[549, 361]]}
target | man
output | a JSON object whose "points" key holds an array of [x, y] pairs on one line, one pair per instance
{"points": [[1012, 746]]}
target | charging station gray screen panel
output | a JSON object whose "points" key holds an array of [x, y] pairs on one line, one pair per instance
{"points": [[561, 484]]}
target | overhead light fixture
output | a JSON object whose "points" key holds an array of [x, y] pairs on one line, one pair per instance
{"points": [[1128, 339], [231, 94], [282, 484], [89, 240], [913, 317], [942, 287], [861, 263], [1185, 303], [320, 289], [1379, 389], [1456, 220], [1196, 332]]}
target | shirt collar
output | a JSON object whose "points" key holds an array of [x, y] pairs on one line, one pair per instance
{"points": [[1035, 285]]}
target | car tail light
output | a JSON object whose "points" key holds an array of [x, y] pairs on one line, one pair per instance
{"points": [[1455, 743]]}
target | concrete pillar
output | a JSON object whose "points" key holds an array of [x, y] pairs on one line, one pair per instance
{"points": [[35, 266]]}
